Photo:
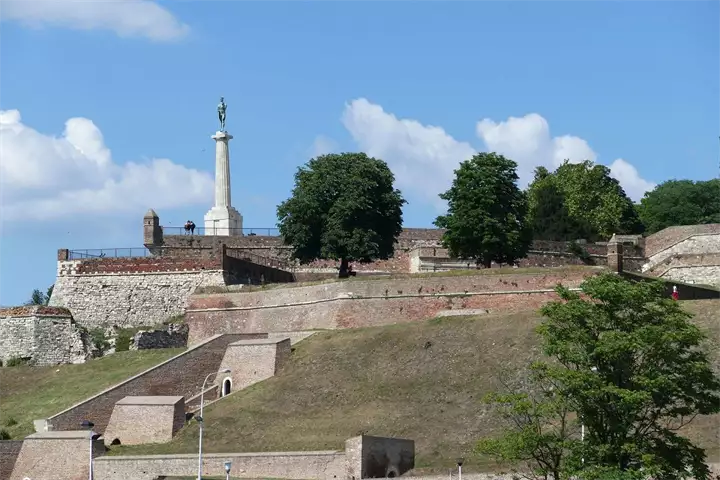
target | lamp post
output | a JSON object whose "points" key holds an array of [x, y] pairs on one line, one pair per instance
{"points": [[582, 423], [228, 464], [200, 419], [89, 425], [460, 462]]}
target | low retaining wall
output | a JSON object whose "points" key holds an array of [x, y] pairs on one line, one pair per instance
{"points": [[181, 375], [327, 465], [686, 291], [357, 303], [364, 457]]}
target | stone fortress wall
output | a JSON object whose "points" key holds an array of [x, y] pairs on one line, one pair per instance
{"points": [[138, 291], [372, 302], [41, 336]]}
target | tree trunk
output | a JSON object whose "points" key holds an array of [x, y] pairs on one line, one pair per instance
{"points": [[343, 268]]}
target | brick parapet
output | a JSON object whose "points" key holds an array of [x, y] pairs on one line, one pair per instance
{"points": [[181, 375], [145, 265]]}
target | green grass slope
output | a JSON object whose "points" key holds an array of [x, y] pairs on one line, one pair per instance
{"points": [[422, 381], [31, 393]]}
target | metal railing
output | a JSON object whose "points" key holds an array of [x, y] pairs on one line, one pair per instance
{"points": [[221, 231], [109, 253]]}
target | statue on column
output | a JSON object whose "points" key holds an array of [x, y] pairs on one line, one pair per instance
{"points": [[221, 113]]}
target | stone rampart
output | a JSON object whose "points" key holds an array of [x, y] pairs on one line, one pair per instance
{"points": [[362, 303], [130, 292], [698, 244], [41, 336], [181, 375], [670, 236]]}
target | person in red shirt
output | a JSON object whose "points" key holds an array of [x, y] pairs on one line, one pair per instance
{"points": [[675, 294]]}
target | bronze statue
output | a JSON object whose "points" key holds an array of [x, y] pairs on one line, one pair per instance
{"points": [[221, 113]]}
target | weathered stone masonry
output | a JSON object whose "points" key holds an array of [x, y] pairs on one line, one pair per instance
{"points": [[41, 335], [130, 292]]}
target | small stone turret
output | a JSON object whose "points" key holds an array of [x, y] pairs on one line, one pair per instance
{"points": [[152, 233], [615, 255]]}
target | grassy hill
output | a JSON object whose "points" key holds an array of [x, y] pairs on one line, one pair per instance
{"points": [[422, 381], [31, 393]]}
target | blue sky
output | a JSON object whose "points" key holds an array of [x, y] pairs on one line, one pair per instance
{"points": [[423, 85]]}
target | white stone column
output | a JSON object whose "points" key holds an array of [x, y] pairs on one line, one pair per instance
{"points": [[222, 169], [222, 219]]}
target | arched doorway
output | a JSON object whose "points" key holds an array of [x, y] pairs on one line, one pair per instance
{"points": [[226, 387]]}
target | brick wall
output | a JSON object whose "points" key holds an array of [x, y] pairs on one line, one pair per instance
{"points": [[252, 361], [328, 465], [145, 264], [162, 418], [372, 302], [55, 456], [182, 375], [9, 450]]}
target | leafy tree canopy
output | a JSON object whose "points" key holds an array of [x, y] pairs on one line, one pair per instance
{"points": [[627, 359], [486, 212], [596, 204], [548, 215], [680, 202], [343, 207]]}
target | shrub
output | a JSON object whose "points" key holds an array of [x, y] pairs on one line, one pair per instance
{"points": [[4, 435], [16, 362], [10, 422], [99, 339]]}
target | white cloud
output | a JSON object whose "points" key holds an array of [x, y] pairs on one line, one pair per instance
{"points": [[628, 176], [46, 177], [424, 157], [322, 146], [127, 18]]}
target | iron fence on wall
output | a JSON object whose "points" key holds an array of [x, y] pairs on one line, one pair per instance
{"points": [[109, 253], [221, 232]]}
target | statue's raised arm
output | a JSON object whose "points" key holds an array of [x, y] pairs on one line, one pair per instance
{"points": [[221, 113]]}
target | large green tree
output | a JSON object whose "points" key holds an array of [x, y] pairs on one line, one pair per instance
{"points": [[629, 362], [486, 218], [596, 204], [680, 202], [343, 207], [548, 215]]}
